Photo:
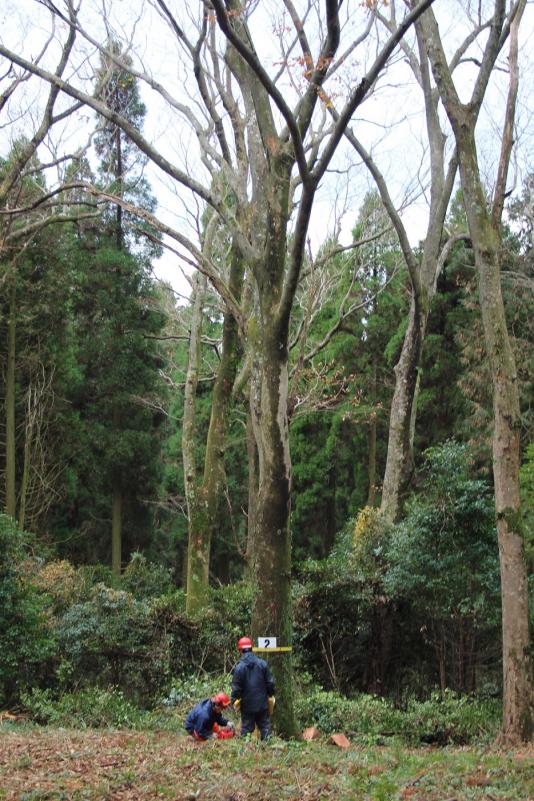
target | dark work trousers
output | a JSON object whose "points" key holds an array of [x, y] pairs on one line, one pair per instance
{"points": [[260, 719]]}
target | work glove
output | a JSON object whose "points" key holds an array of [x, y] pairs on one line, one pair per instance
{"points": [[237, 704], [270, 703]]}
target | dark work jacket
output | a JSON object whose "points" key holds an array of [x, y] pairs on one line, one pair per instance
{"points": [[252, 683], [201, 719]]}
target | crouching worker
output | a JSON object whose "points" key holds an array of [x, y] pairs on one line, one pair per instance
{"points": [[206, 719], [253, 690]]}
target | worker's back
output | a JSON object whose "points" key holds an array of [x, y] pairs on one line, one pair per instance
{"points": [[252, 683]]}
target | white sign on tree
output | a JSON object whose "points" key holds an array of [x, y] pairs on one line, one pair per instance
{"points": [[266, 642]]}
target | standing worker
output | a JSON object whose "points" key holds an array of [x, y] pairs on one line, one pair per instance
{"points": [[206, 720], [252, 690]]}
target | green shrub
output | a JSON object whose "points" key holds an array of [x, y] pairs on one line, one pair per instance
{"points": [[444, 566], [207, 642], [362, 715], [108, 640], [27, 642], [335, 622], [185, 693], [451, 718], [90, 707], [442, 719], [145, 579]]}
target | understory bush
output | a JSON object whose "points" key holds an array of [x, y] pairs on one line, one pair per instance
{"points": [[396, 610], [448, 717], [184, 693], [90, 707], [350, 634], [393, 612], [444, 718], [27, 643], [65, 628]]}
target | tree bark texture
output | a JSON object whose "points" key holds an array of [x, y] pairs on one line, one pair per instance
{"points": [[116, 528], [399, 464], [197, 568], [518, 697], [271, 611]]}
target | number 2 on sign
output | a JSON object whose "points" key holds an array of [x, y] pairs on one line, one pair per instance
{"points": [[266, 642]]}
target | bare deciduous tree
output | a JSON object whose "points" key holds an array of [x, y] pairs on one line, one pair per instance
{"points": [[484, 222], [286, 155]]}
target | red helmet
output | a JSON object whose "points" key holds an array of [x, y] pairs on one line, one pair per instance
{"points": [[221, 699], [244, 643]]}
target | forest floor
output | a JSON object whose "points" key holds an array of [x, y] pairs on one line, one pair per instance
{"points": [[44, 764]]}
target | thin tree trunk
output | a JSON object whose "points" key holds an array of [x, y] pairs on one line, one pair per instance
{"points": [[330, 528], [252, 459], [116, 528], [11, 498], [24, 482], [399, 465], [423, 270], [197, 569], [117, 490], [116, 508], [371, 439], [206, 518]]}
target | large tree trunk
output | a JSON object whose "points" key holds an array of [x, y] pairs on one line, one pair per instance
{"points": [[518, 698], [252, 460], [271, 612]]}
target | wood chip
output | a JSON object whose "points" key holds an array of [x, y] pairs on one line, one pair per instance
{"points": [[340, 740]]}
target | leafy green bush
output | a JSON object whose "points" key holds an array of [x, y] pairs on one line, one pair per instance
{"points": [[186, 692], [362, 715], [145, 579], [344, 623], [443, 563], [451, 718], [90, 707], [331, 624], [444, 718], [207, 642], [27, 642], [108, 640]]}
